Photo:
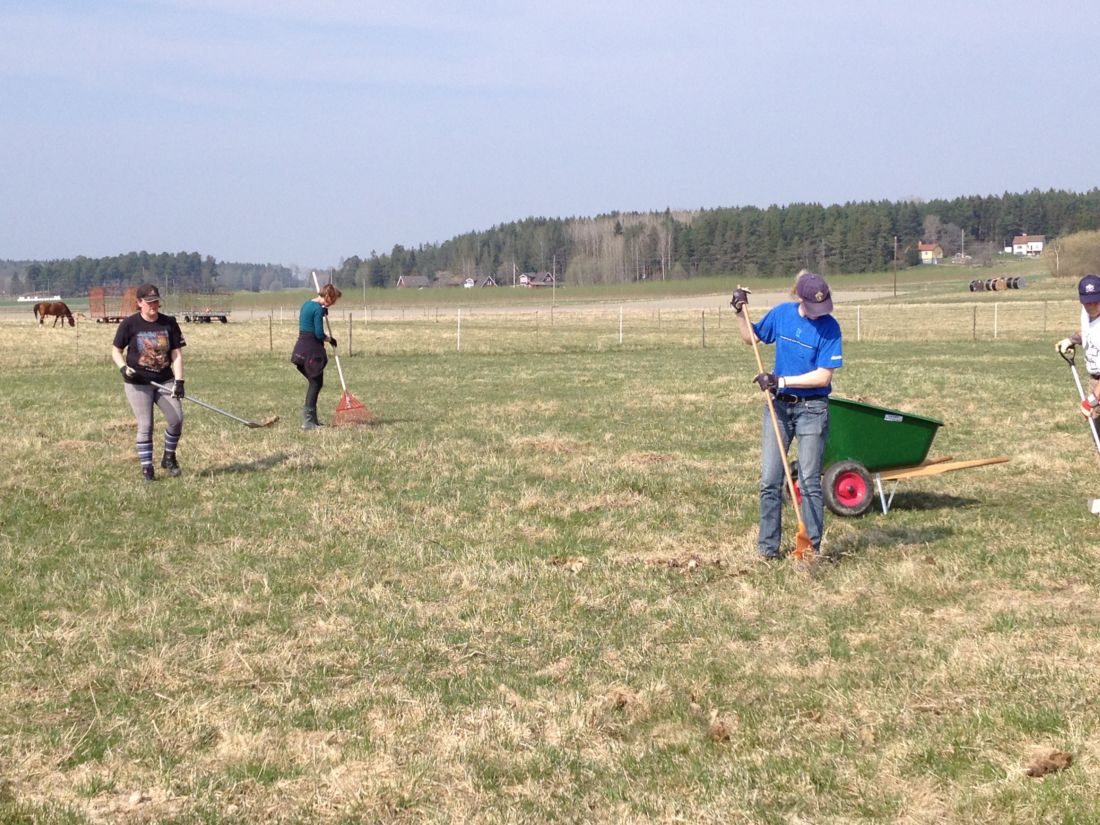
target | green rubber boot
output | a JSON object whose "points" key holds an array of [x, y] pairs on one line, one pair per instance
{"points": [[309, 418]]}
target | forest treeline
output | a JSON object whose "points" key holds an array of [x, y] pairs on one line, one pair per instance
{"points": [[173, 272], [748, 241]]}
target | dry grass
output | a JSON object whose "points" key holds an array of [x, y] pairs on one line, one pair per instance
{"points": [[529, 593]]}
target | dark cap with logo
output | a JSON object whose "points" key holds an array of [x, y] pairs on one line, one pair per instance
{"points": [[148, 292], [1089, 289], [814, 293]]}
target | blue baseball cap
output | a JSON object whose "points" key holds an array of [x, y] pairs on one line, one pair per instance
{"points": [[815, 296], [1089, 289]]}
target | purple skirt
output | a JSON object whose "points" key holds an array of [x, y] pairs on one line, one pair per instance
{"points": [[309, 355]]}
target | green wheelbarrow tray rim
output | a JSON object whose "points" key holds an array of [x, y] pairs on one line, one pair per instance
{"points": [[879, 438]]}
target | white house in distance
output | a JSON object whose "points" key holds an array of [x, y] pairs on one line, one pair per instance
{"points": [[1029, 245]]}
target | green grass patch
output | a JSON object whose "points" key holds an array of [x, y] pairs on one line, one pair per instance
{"points": [[529, 593]]}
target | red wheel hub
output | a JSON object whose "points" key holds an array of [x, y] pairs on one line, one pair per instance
{"points": [[850, 489]]}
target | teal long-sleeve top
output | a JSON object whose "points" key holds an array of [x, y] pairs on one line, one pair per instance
{"points": [[312, 319]]}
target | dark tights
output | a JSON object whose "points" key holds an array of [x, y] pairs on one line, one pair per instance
{"points": [[314, 389]]}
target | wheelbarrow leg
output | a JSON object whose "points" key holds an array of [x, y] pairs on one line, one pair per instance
{"points": [[886, 502]]}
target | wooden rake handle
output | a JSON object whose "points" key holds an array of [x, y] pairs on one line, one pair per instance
{"points": [[775, 425]]}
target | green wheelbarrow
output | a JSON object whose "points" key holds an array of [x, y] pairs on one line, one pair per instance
{"points": [[869, 446]]}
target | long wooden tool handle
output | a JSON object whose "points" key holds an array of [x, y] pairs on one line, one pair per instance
{"points": [[775, 423], [328, 326]]}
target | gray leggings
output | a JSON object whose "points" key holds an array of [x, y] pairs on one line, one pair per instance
{"points": [[142, 397]]}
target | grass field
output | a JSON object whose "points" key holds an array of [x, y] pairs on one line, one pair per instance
{"points": [[529, 592]]}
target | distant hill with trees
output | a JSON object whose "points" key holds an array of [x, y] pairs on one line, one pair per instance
{"points": [[620, 246], [174, 272], [776, 241]]}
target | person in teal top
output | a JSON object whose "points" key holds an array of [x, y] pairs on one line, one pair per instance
{"points": [[309, 354]]}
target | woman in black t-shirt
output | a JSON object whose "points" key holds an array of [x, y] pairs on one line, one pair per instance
{"points": [[153, 345]]}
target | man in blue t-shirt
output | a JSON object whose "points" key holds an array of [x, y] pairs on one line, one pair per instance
{"points": [[807, 350]]}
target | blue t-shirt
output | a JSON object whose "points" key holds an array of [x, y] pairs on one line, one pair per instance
{"points": [[311, 319], [801, 344]]}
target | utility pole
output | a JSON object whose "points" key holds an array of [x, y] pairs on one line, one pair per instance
{"points": [[895, 266], [554, 281]]}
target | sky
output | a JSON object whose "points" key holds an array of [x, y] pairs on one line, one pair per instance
{"points": [[303, 133]]}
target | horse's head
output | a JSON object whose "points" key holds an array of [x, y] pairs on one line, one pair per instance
{"points": [[72, 321]]}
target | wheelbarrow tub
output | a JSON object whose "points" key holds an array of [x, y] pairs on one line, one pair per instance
{"points": [[879, 438]]}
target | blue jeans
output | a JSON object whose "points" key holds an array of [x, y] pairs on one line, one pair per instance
{"points": [[808, 421]]}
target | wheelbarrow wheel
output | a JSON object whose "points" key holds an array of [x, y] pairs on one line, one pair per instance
{"points": [[847, 488]]}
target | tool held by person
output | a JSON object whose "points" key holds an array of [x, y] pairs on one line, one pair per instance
{"points": [[1087, 404], [803, 545], [267, 422], [349, 409]]}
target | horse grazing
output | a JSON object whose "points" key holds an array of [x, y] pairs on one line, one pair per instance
{"points": [[58, 309]]}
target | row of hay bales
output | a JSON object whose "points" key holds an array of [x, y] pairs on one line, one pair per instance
{"points": [[996, 284]]}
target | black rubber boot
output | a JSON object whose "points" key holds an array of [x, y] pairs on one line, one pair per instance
{"points": [[309, 418], [147, 472], [169, 463]]}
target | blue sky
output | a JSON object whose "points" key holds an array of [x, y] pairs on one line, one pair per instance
{"points": [[306, 132]]}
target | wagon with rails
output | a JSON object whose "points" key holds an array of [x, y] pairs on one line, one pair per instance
{"points": [[109, 305], [206, 306], [869, 446]]}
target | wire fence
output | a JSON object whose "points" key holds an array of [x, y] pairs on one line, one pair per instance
{"points": [[555, 330], [550, 329]]}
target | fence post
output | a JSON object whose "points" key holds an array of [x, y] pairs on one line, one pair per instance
{"points": [[271, 331], [704, 323], [974, 324], [859, 322], [620, 323], [995, 308], [458, 339], [349, 333]]}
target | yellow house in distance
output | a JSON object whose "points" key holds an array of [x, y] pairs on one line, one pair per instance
{"points": [[930, 253]]}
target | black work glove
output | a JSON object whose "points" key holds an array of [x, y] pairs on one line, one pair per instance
{"points": [[177, 388], [767, 381], [127, 371], [332, 341], [740, 298]]}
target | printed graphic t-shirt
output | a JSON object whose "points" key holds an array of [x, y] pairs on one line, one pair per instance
{"points": [[149, 346]]}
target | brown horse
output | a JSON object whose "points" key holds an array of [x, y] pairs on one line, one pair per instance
{"points": [[58, 309]]}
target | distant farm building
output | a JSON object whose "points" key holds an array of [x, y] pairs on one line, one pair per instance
{"points": [[1029, 245], [534, 279], [413, 281], [930, 253]]}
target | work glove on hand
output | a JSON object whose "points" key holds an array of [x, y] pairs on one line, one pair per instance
{"points": [[1065, 346], [127, 371], [1088, 406], [740, 298], [177, 388], [767, 381], [332, 341]]}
